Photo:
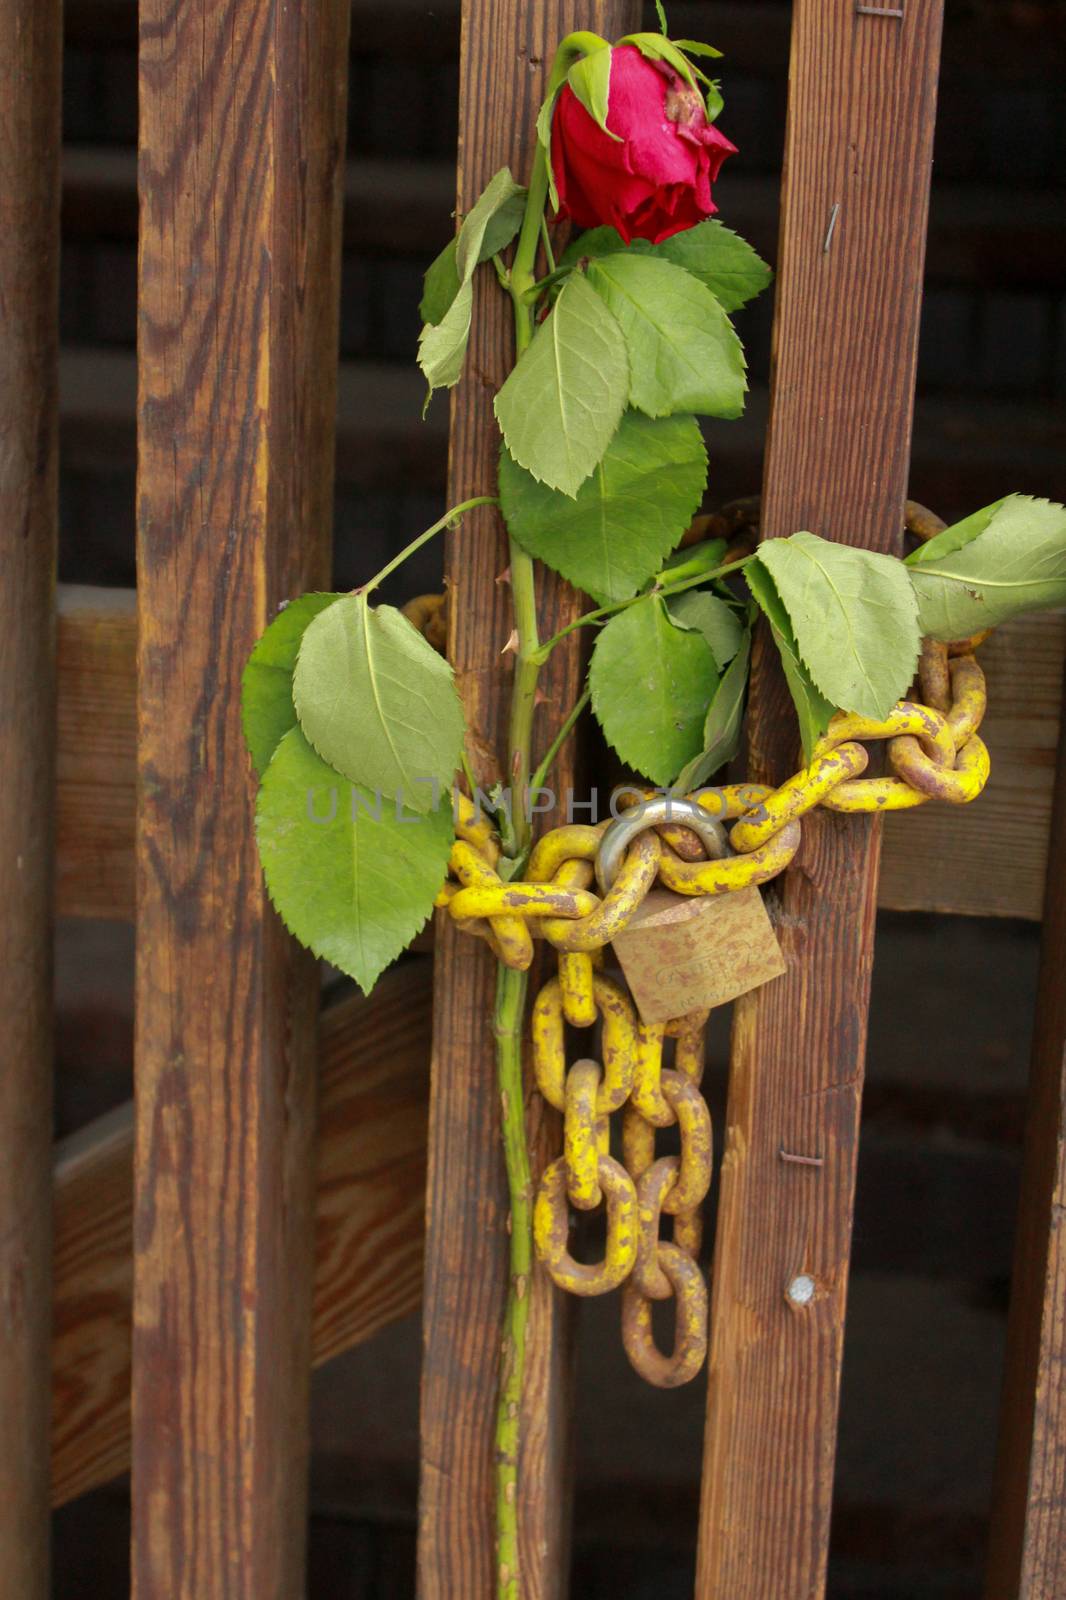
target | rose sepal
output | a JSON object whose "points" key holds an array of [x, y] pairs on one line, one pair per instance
{"points": [[573, 49], [590, 79]]}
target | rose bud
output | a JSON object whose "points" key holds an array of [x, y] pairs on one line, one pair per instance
{"points": [[655, 178]]}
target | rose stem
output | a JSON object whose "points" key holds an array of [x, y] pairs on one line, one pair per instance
{"points": [[450, 519], [511, 986], [663, 590]]}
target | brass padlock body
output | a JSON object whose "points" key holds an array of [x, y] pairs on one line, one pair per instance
{"points": [[683, 953]]}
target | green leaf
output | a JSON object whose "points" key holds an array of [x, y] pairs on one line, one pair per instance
{"points": [[544, 135], [694, 559], [712, 99], [441, 282], [559, 408], [656, 48], [854, 618], [813, 710], [722, 261], [352, 875], [717, 621], [378, 703], [440, 285], [650, 683], [725, 718], [661, 14], [948, 540], [683, 352], [442, 344], [612, 536], [590, 79], [1014, 562], [267, 710], [693, 47], [442, 347], [571, 50]]}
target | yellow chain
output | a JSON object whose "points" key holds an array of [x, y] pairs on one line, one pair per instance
{"points": [[934, 753]]}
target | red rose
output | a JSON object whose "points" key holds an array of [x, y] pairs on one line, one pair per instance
{"points": [[656, 178]]}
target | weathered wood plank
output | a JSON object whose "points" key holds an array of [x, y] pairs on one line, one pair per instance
{"points": [[374, 1071], [934, 859], [30, 60], [96, 799], [1027, 1544], [241, 149], [507, 47], [990, 858], [858, 152]]}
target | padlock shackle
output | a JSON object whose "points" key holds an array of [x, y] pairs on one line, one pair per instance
{"points": [[650, 814]]}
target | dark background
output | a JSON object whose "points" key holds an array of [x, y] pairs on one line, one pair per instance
{"points": [[952, 997]]}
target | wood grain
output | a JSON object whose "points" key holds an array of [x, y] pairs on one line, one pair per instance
{"points": [[859, 138], [241, 151], [934, 859], [1027, 1544], [374, 1073], [30, 55], [96, 799], [507, 47], [989, 859]]}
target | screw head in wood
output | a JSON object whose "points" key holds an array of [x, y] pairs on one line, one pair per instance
{"points": [[801, 1290]]}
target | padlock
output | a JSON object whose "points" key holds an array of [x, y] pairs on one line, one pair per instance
{"points": [[682, 953]]}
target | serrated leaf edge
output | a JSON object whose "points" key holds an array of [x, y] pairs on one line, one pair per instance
{"points": [[661, 777], [815, 679]]}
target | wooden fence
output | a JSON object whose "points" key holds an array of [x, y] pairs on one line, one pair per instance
{"points": [[194, 1255]]}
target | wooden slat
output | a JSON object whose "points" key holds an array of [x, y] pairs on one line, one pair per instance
{"points": [[990, 858], [29, 315], [935, 859], [1027, 1544], [97, 773], [507, 46], [860, 124], [374, 1070], [242, 113]]}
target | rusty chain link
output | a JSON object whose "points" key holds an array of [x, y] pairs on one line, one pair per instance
{"points": [[934, 752]]}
